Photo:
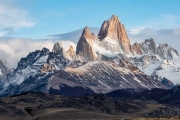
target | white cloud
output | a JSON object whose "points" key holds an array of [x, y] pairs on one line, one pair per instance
{"points": [[135, 31], [13, 16], [66, 44], [12, 50], [177, 32], [166, 21]]}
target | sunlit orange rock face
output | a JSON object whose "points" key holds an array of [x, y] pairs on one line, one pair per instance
{"points": [[47, 68], [71, 52], [84, 47], [114, 29], [137, 49]]}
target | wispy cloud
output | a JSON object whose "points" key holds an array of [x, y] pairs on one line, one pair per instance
{"points": [[9, 30], [177, 32], [167, 21], [135, 31], [13, 17], [16, 17]]}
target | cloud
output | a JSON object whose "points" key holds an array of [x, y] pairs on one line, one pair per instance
{"points": [[13, 49], [66, 44], [135, 31], [9, 30], [166, 21], [12, 17], [177, 32]]}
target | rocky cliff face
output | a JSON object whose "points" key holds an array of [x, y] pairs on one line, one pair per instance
{"points": [[167, 82], [58, 49], [137, 49], [47, 71], [4, 70], [47, 68], [148, 47], [103, 77], [114, 29], [84, 47], [71, 52]]}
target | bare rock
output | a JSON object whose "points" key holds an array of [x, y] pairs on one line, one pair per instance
{"points": [[84, 47], [114, 29], [137, 49], [71, 52], [47, 68], [58, 49]]}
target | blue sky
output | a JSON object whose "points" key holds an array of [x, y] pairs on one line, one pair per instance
{"points": [[39, 18]]}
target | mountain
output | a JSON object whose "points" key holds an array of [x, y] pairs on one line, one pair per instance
{"points": [[100, 64], [150, 67], [161, 36], [53, 72], [113, 29], [84, 47]]}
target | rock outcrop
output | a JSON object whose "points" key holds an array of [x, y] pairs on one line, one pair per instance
{"points": [[71, 52], [137, 49], [149, 47], [166, 52], [47, 68], [167, 82], [101, 65], [84, 47], [58, 49], [114, 29]]}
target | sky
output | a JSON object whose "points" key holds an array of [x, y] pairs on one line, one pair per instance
{"points": [[22, 21], [39, 18]]}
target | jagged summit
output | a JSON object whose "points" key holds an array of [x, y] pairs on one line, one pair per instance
{"points": [[149, 47], [84, 47], [114, 18], [57, 47], [100, 64], [137, 49], [113, 28], [71, 52], [86, 33]]}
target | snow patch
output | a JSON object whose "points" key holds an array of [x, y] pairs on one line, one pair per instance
{"points": [[136, 79], [107, 47], [41, 60]]}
